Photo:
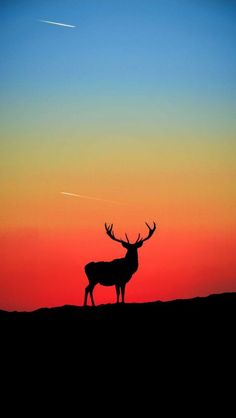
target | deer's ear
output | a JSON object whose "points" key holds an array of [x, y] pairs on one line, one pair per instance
{"points": [[139, 244], [125, 245]]}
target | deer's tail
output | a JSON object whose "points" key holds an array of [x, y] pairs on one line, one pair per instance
{"points": [[88, 270]]}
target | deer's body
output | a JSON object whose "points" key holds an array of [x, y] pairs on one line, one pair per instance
{"points": [[109, 273], [116, 272]]}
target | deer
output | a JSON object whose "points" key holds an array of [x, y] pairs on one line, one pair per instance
{"points": [[117, 272]]}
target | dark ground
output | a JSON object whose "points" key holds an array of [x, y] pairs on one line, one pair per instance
{"points": [[215, 312], [167, 342]]}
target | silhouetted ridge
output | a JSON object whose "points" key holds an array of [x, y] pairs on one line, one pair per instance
{"points": [[215, 307]]}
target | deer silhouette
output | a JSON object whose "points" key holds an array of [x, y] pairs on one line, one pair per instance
{"points": [[116, 272]]}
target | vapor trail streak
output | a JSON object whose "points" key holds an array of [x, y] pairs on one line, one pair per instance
{"points": [[57, 23], [89, 197]]}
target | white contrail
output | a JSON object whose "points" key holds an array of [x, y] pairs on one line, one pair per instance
{"points": [[57, 23], [89, 197]]}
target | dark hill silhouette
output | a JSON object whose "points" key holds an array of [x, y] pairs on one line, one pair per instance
{"points": [[213, 308], [147, 336]]}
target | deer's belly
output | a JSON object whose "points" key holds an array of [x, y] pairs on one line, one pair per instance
{"points": [[107, 281], [113, 280], [108, 278]]}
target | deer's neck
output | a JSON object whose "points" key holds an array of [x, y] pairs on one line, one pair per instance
{"points": [[132, 259]]}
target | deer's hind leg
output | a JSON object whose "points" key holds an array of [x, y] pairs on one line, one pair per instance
{"points": [[86, 295], [89, 290], [91, 293]]}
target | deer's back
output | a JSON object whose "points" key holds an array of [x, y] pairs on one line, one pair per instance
{"points": [[107, 272]]}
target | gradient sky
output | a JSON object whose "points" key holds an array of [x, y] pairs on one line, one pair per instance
{"points": [[136, 105]]}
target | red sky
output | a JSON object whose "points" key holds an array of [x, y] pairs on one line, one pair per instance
{"points": [[47, 269]]}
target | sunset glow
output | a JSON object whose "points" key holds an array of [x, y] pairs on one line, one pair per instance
{"points": [[135, 111]]}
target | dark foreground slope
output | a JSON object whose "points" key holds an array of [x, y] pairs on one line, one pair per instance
{"points": [[159, 347], [217, 309], [153, 334]]}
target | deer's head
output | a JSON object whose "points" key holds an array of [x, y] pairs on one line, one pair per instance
{"points": [[127, 244]]}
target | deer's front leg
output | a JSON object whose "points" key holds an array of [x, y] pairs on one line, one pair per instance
{"points": [[123, 293], [117, 293]]}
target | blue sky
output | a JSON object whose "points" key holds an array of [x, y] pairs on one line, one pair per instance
{"points": [[126, 63], [125, 45]]}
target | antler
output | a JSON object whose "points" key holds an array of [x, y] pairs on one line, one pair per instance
{"points": [[150, 233], [110, 233]]}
